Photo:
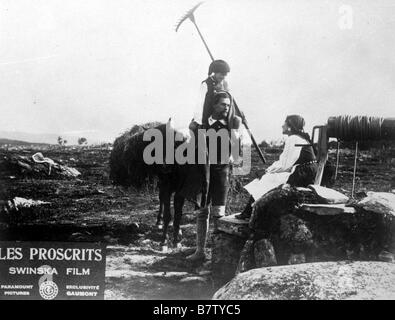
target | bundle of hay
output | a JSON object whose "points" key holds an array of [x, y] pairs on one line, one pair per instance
{"points": [[127, 167]]}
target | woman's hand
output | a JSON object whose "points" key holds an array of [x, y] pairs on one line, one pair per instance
{"points": [[237, 122], [286, 186]]}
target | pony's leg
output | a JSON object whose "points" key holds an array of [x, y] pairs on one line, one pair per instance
{"points": [[197, 201], [161, 207], [205, 187], [203, 199], [178, 204], [166, 214]]}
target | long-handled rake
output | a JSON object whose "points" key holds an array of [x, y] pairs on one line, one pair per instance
{"points": [[189, 15]]}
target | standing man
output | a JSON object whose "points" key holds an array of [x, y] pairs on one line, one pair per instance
{"points": [[215, 82], [219, 116], [217, 72]]}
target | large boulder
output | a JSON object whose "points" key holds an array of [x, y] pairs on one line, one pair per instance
{"points": [[314, 281], [291, 226], [379, 202], [296, 224]]}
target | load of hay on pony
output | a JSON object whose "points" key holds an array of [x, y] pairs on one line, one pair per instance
{"points": [[127, 167]]}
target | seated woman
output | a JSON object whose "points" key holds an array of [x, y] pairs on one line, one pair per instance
{"points": [[296, 167]]}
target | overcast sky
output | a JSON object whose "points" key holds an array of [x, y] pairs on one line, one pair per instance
{"points": [[100, 66]]}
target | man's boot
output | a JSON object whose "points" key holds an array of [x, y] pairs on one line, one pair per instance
{"points": [[247, 212], [201, 235], [215, 224]]}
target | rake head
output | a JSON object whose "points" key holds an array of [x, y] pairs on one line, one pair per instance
{"points": [[188, 14]]}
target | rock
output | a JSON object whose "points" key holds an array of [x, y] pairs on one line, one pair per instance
{"points": [[19, 203], [140, 260], [297, 258], [20, 209], [39, 166], [264, 254], [193, 279], [24, 166], [230, 224], [314, 281], [327, 209], [379, 202], [361, 194], [300, 236], [110, 239], [246, 261], [276, 203], [78, 236], [133, 228], [171, 274], [225, 256], [386, 256], [124, 274], [113, 241], [329, 195], [295, 231], [135, 225]]}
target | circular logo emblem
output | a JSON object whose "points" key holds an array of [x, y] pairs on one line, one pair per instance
{"points": [[48, 290]]}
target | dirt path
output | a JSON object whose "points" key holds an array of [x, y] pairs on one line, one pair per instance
{"points": [[143, 271]]}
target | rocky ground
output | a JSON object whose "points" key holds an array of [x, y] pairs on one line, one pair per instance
{"points": [[90, 208]]}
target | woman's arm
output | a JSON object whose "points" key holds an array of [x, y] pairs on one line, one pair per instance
{"points": [[287, 158]]}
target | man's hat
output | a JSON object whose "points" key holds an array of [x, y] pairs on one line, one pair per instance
{"points": [[218, 66]]}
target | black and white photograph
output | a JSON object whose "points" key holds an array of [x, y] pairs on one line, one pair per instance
{"points": [[182, 150]]}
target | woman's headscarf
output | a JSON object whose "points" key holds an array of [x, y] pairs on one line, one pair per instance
{"points": [[296, 123]]}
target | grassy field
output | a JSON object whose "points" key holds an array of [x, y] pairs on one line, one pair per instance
{"points": [[90, 208]]}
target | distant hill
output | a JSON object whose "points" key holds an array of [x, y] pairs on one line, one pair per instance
{"points": [[48, 138], [21, 143]]}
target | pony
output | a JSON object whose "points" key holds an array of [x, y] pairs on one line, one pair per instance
{"points": [[128, 168]]}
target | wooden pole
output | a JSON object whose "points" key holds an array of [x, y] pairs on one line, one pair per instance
{"points": [[355, 170], [337, 159], [244, 120], [201, 37], [322, 153]]}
